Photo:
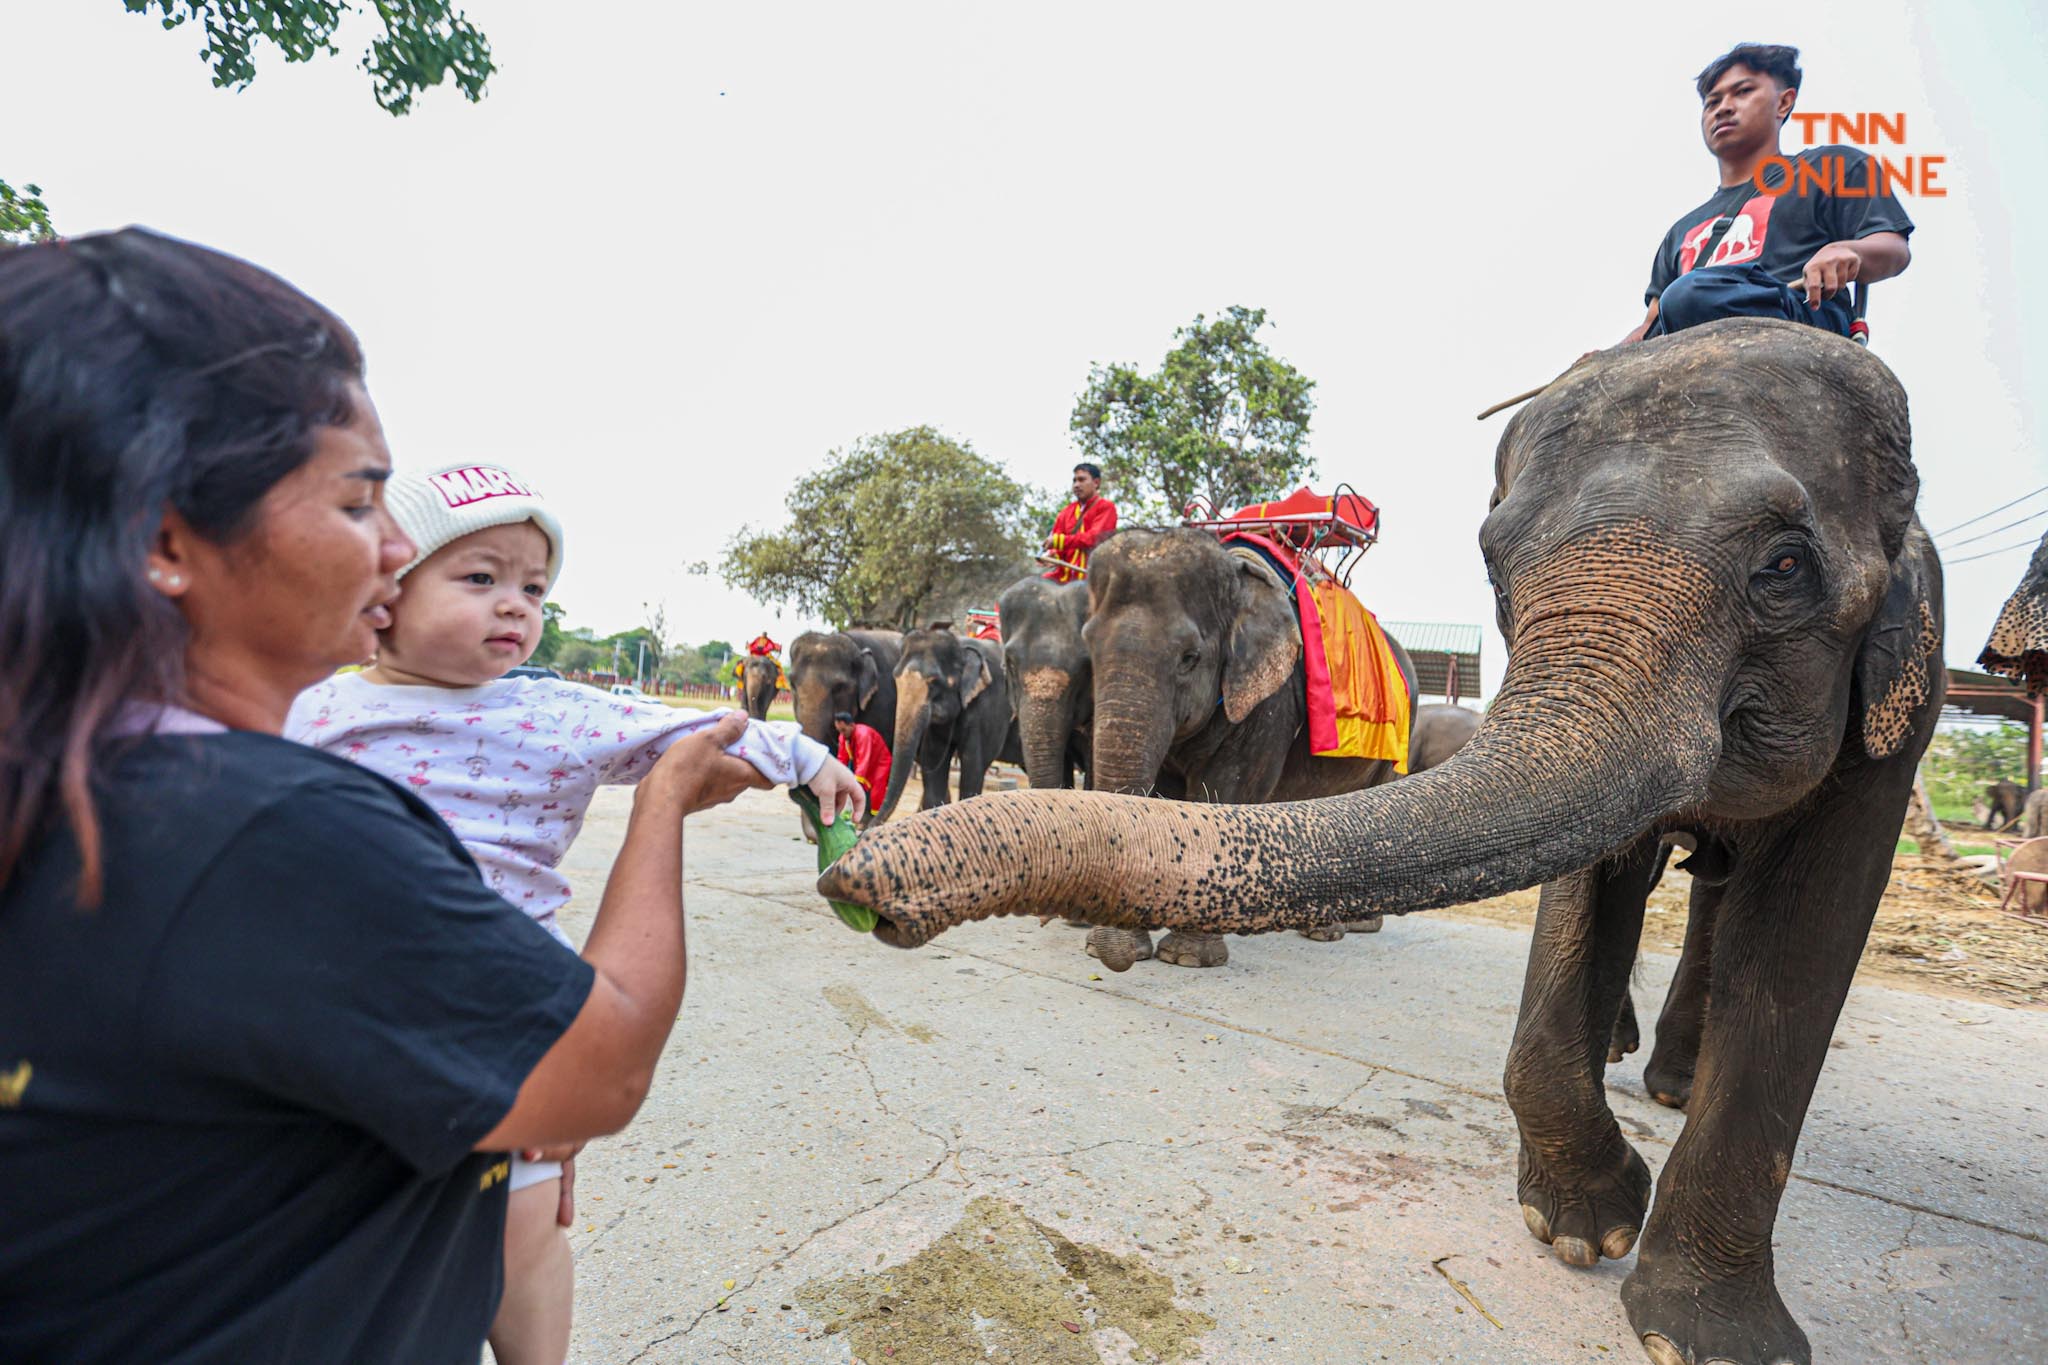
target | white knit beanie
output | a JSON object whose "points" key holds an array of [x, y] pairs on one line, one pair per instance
{"points": [[450, 502]]}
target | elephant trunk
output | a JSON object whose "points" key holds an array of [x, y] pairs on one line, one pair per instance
{"points": [[1133, 731], [1045, 726], [1591, 741], [913, 719]]}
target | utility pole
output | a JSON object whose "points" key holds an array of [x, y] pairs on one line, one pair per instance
{"points": [[640, 668]]}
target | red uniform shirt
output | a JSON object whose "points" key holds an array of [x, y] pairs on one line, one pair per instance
{"points": [[865, 753], [1077, 530]]}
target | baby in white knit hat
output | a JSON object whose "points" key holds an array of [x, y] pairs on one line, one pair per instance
{"points": [[511, 764]]}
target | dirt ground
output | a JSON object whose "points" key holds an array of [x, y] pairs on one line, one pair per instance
{"points": [[1936, 931]]}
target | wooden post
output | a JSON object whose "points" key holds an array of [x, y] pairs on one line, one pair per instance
{"points": [[2034, 748]]}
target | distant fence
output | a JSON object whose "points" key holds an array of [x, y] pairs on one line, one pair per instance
{"points": [[694, 691]]}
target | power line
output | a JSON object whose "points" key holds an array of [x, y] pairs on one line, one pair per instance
{"points": [[1986, 535], [1986, 554], [1992, 513]]}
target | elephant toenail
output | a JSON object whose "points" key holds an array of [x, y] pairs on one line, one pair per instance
{"points": [[1539, 1226], [1661, 1351], [1618, 1243], [1575, 1251]]}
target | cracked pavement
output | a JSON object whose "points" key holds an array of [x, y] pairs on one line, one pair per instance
{"points": [[1311, 1141]]}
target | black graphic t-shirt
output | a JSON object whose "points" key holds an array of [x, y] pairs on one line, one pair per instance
{"points": [[238, 1096], [1838, 202]]}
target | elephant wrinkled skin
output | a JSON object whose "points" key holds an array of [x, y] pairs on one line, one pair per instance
{"points": [[1724, 625], [952, 702]]}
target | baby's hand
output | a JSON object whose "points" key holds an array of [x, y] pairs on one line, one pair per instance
{"points": [[837, 789]]}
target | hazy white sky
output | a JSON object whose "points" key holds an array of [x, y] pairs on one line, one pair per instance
{"points": [[681, 251]]}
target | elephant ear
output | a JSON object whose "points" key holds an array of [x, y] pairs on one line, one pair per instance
{"points": [[974, 676], [1892, 666], [869, 678], [1264, 641]]}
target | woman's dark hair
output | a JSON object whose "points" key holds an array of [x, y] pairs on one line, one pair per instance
{"points": [[137, 373], [1780, 63]]}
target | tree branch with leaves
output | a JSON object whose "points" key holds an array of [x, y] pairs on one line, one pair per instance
{"points": [[1222, 418], [423, 43], [894, 530]]}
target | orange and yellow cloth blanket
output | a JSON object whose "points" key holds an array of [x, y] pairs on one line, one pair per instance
{"points": [[1357, 695]]}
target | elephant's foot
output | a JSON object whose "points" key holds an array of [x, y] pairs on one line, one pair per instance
{"points": [[1119, 948], [1193, 950], [1625, 1037], [1369, 925], [1324, 933], [1668, 1077], [1683, 1318], [1597, 1214]]}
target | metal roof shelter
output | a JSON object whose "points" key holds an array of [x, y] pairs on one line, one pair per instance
{"points": [[1986, 694], [1446, 656]]}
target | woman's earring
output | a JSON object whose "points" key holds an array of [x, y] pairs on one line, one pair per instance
{"points": [[155, 574]]}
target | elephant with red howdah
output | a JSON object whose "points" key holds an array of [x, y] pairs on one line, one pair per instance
{"points": [[1200, 695], [1724, 627], [952, 703]]}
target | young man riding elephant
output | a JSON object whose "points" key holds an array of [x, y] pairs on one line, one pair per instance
{"points": [[1780, 238], [1724, 627]]}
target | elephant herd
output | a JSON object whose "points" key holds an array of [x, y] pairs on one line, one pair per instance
{"points": [[1724, 623], [1175, 670]]}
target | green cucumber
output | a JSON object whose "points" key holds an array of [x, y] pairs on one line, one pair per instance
{"points": [[833, 842]]}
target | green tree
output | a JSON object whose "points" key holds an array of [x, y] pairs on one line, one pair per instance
{"points": [[1222, 418], [891, 529], [1961, 763], [423, 43], [24, 217]]}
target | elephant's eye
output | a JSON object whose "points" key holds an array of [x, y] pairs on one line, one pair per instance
{"points": [[1189, 658], [1783, 565]]}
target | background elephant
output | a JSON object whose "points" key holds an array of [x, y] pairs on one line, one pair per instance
{"points": [[952, 702], [850, 670], [1199, 695], [2003, 803], [847, 670], [760, 682], [1045, 662], [1438, 732], [1724, 627]]}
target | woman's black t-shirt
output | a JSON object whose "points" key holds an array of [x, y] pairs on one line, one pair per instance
{"points": [[238, 1097]]}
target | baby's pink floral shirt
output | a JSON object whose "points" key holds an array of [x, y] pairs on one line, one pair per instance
{"points": [[512, 765]]}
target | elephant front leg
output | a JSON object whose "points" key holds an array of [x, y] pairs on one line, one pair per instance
{"points": [[1582, 1187], [1704, 1286], [937, 784], [1668, 1077]]}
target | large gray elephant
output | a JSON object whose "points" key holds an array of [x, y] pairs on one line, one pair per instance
{"points": [[846, 670], [1437, 732], [1724, 627], [1200, 696], [952, 703], [1051, 684]]}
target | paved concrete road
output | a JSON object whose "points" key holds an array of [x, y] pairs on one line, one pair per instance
{"points": [[980, 1151]]}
